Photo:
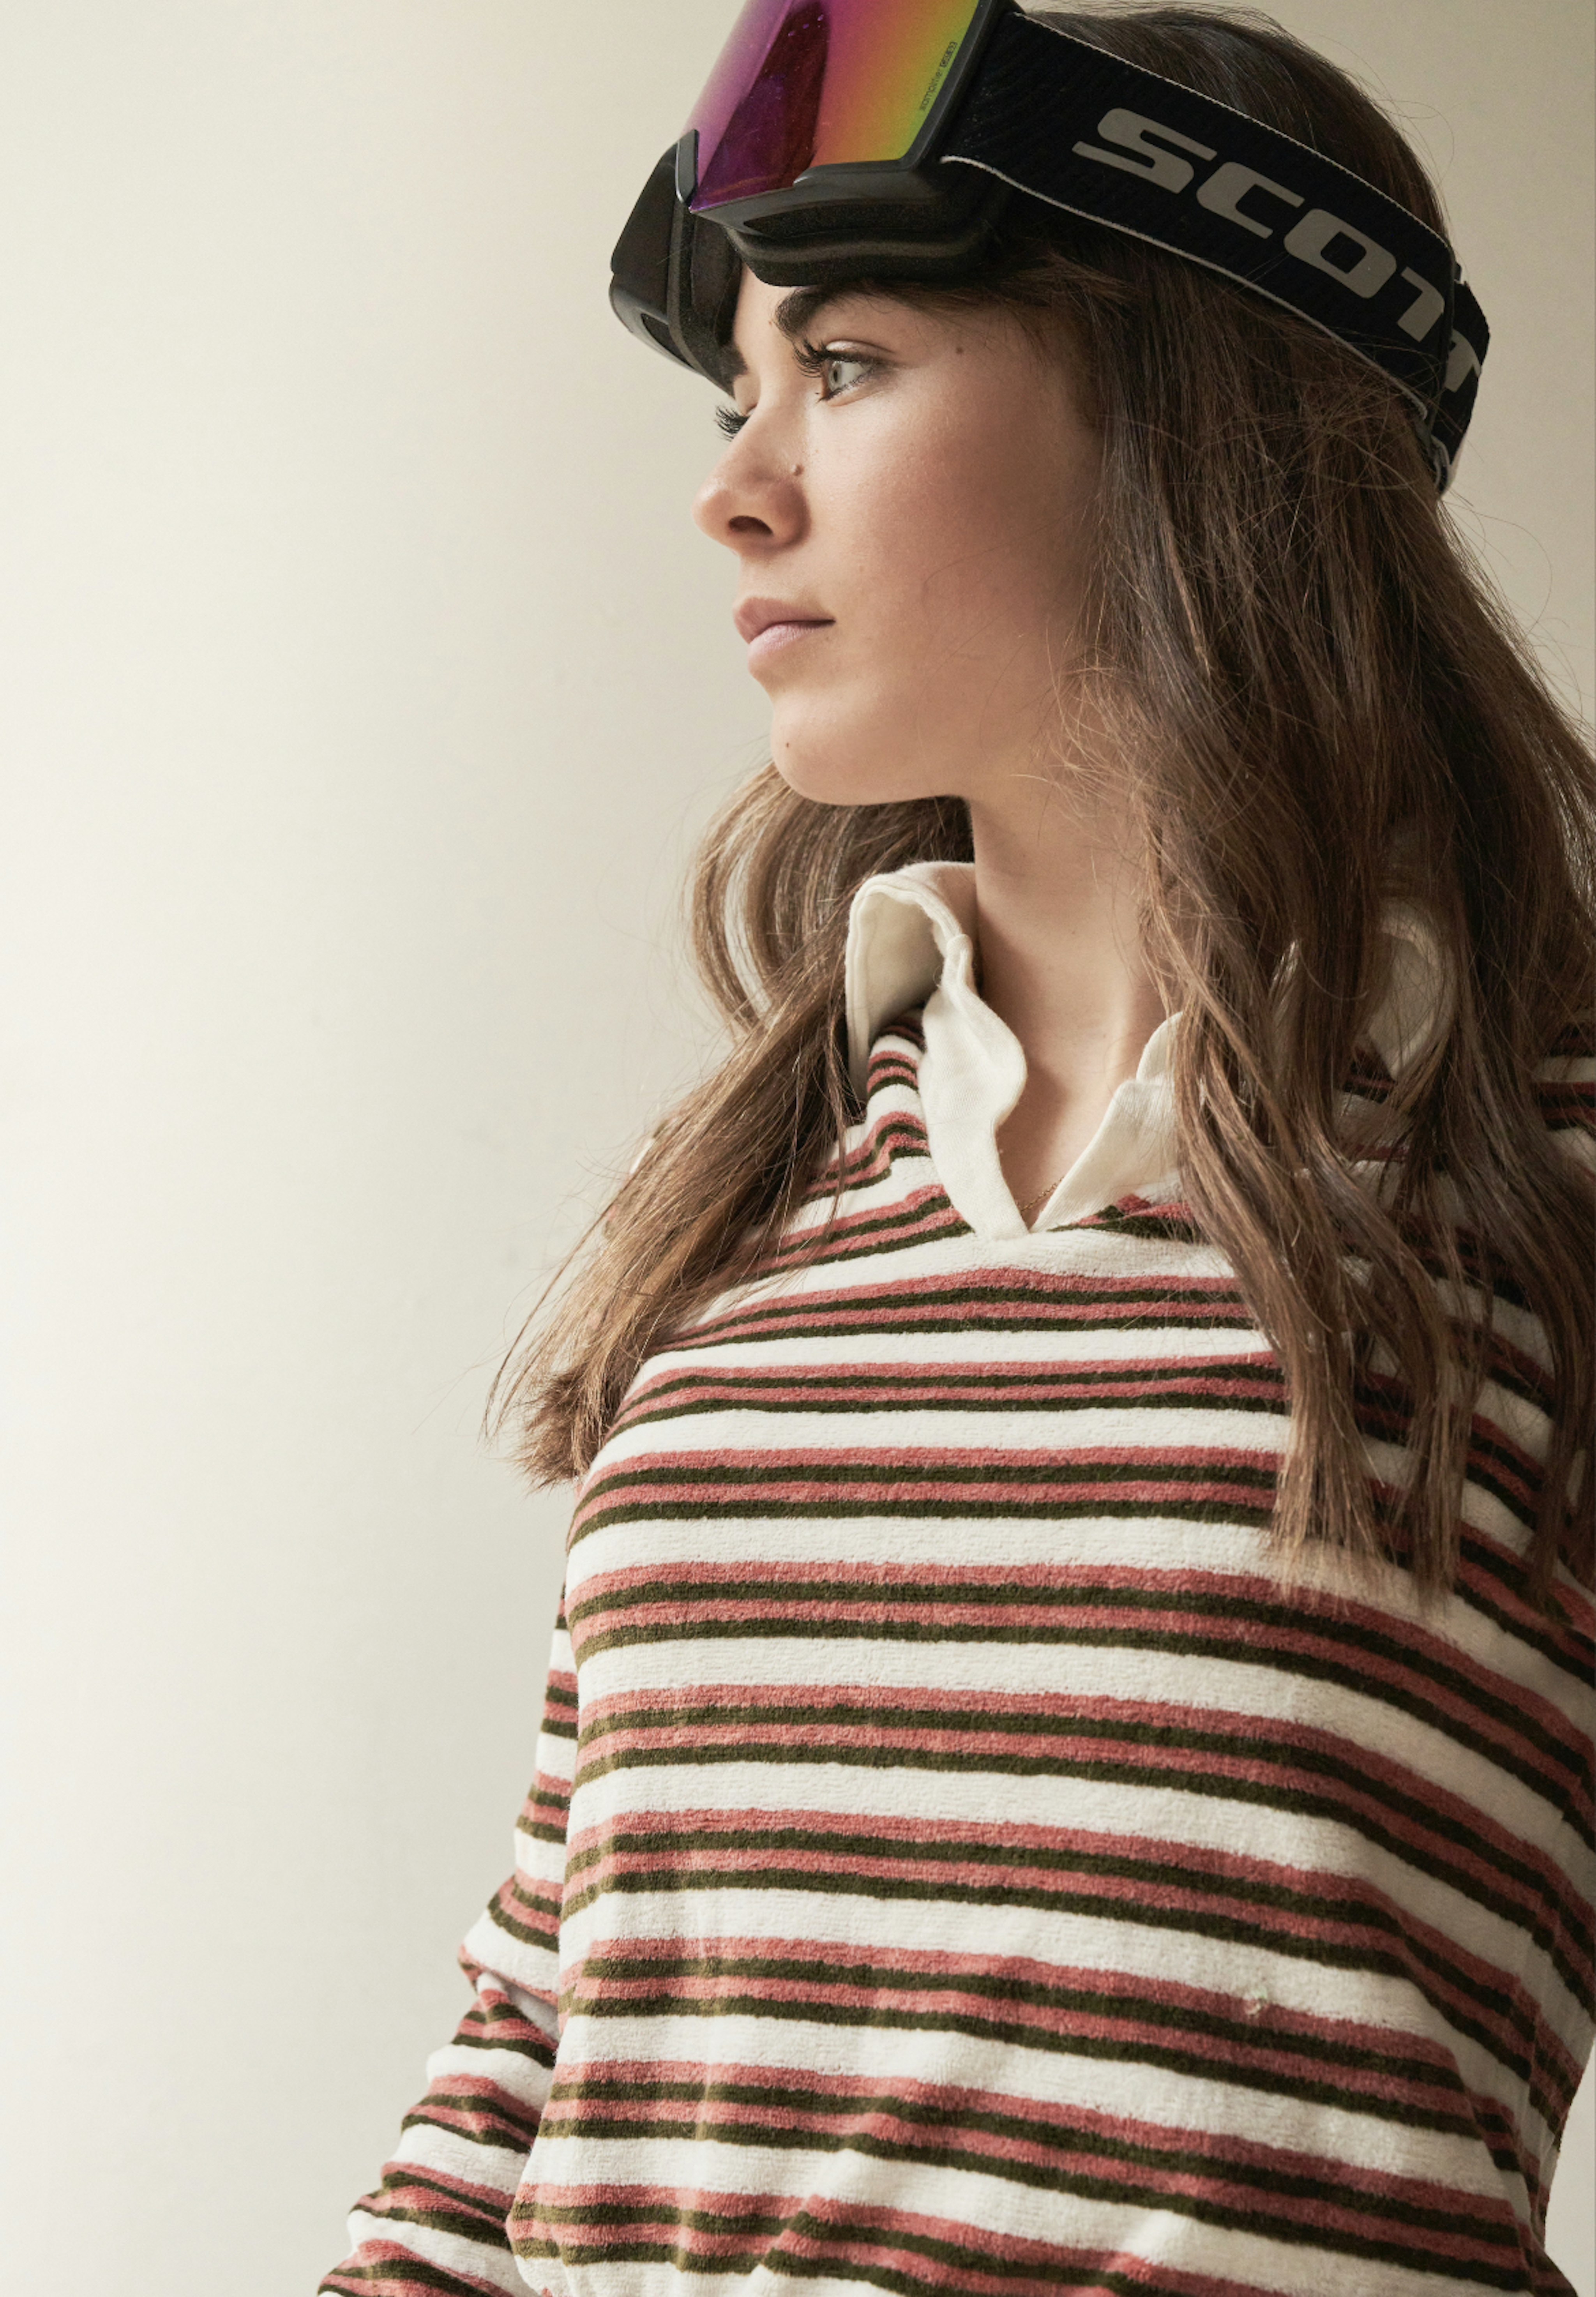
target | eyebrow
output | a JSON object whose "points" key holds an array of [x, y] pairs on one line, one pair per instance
{"points": [[795, 316]]}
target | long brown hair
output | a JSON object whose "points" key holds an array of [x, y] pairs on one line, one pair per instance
{"points": [[1321, 704]]}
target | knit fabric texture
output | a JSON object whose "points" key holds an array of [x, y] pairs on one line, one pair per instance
{"points": [[959, 1862]]}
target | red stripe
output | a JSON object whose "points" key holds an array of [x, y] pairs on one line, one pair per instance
{"points": [[1416, 1668], [1341, 1913], [951, 2119], [385, 2269], [843, 2234]]}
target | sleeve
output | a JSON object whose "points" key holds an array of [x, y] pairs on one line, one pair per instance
{"points": [[436, 2223]]}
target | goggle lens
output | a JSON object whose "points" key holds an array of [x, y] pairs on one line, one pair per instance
{"points": [[820, 83]]}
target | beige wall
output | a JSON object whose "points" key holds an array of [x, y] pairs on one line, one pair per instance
{"points": [[364, 687]]}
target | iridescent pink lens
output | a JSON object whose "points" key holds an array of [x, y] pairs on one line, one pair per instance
{"points": [[815, 83]]}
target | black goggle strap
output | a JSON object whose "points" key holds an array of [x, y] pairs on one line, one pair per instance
{"points": [[1086, 131]]}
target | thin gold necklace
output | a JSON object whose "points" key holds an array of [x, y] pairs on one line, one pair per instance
{"points": [[1034, 1204]]}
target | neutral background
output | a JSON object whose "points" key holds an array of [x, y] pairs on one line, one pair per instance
{"points": [[364, 687]]}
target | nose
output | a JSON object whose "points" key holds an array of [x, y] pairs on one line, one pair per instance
{"points": [[752, 500]]}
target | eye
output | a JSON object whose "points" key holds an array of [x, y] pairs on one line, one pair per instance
{"points": [[835, 371]]}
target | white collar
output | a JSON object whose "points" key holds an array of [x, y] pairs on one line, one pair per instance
{"points": [[911, 939]]}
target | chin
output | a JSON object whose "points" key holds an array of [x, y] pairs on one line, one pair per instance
{"points": [[837, 786], [840, 767]]}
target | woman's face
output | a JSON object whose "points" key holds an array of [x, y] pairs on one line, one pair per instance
{"points": [[908, 508]]}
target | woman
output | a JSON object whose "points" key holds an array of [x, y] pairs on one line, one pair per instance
{"points": [[1066, 1761]]}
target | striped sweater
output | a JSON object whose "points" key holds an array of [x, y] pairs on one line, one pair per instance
{"points": [[957, 1862]]}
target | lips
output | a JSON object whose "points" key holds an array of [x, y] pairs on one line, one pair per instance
{"points": [[755, 616]]}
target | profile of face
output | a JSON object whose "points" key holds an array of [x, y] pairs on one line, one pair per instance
{"points": [[908, 494]]}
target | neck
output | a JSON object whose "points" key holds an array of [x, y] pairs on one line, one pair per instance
{"points": [[1062, 965]]}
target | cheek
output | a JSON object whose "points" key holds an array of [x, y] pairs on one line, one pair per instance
{"points": [[968, 550], [950, 552]]}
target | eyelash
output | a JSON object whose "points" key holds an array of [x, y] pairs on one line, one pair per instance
{"points": [[812, 359]]}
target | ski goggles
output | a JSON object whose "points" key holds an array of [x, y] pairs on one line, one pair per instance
{"points": [[846, 139]]}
